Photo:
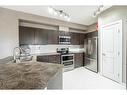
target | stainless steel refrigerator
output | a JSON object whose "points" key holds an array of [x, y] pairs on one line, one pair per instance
{"points": [[91, 54]]}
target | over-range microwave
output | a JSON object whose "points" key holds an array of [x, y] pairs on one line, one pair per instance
{"points": [[64, 40]]}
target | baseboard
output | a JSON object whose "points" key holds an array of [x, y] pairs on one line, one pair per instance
{"points": [[123, 84], [100, 73]]}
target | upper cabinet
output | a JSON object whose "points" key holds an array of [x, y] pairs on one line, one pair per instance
{"points": [[26, 35], [53, 37], [75, 38], [81, 38], [37, 36], [41, 36]]}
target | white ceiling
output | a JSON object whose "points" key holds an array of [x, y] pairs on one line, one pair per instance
{"points": [[79, 14]]}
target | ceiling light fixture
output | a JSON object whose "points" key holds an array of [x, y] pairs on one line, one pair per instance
{"points": [[60, 13], [50, 10], [98, 11]]}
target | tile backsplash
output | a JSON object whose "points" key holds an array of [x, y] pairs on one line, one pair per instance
{"points": [[52, 48]]}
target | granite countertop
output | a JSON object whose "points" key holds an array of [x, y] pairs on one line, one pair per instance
{"points": [[52, 53], [76, 52], [55, 53], [30, 75]]}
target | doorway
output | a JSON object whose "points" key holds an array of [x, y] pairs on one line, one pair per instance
{"points": [[111, 50]]}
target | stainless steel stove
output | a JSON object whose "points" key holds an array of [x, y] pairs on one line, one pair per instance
{"points": [[67, 59]]}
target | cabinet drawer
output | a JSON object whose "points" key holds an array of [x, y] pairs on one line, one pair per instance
{"points": [[54, 59], [49, 58], [42, 58]]}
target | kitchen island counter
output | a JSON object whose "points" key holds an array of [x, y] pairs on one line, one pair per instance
{"points": [[29, 75]]}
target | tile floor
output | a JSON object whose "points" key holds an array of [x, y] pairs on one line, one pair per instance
{"points": [[82, 78]]}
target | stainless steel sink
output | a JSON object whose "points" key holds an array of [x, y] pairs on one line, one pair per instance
{"points": [[26, 58]]}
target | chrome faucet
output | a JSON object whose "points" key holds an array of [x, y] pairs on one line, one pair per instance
{"points": [[16, 54]]}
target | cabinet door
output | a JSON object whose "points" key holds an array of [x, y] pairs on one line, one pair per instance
{"points": [[41, 36], [78, 60], [49, 59], [82, 37], [53, 37], [54, 59], [26, 35], [42, 58], [75, 38]]}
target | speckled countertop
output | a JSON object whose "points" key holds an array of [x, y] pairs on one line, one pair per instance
{"points": [[29, 75], [55, 53], [51, 53]]}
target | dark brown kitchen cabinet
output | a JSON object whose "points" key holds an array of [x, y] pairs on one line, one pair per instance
{"points": [[54, 59], [37, 36], [53, 37], [41, 36], [26, 35], [49, 59], [75, 38], [78, 60], [82, 37], [42, 58]]}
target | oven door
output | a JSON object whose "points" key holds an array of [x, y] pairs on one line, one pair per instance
{"points": [[67, 57], [68, 66], [67, 63]]}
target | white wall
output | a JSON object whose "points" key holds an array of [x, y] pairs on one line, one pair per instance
{"points": [[8, 33], [113, 14]]}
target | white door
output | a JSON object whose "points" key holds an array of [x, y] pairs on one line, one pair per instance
{"points": [[111, 54]]}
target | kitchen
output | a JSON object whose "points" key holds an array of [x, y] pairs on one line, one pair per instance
{"points": [[48, 44], [43, 39]]}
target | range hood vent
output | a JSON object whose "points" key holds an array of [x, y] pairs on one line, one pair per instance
{"points": [[63, 28]]}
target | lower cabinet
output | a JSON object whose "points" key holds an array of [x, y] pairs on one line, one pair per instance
{"points": [[54, 59], [78, 60], [49, 58], [42, 58]]}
